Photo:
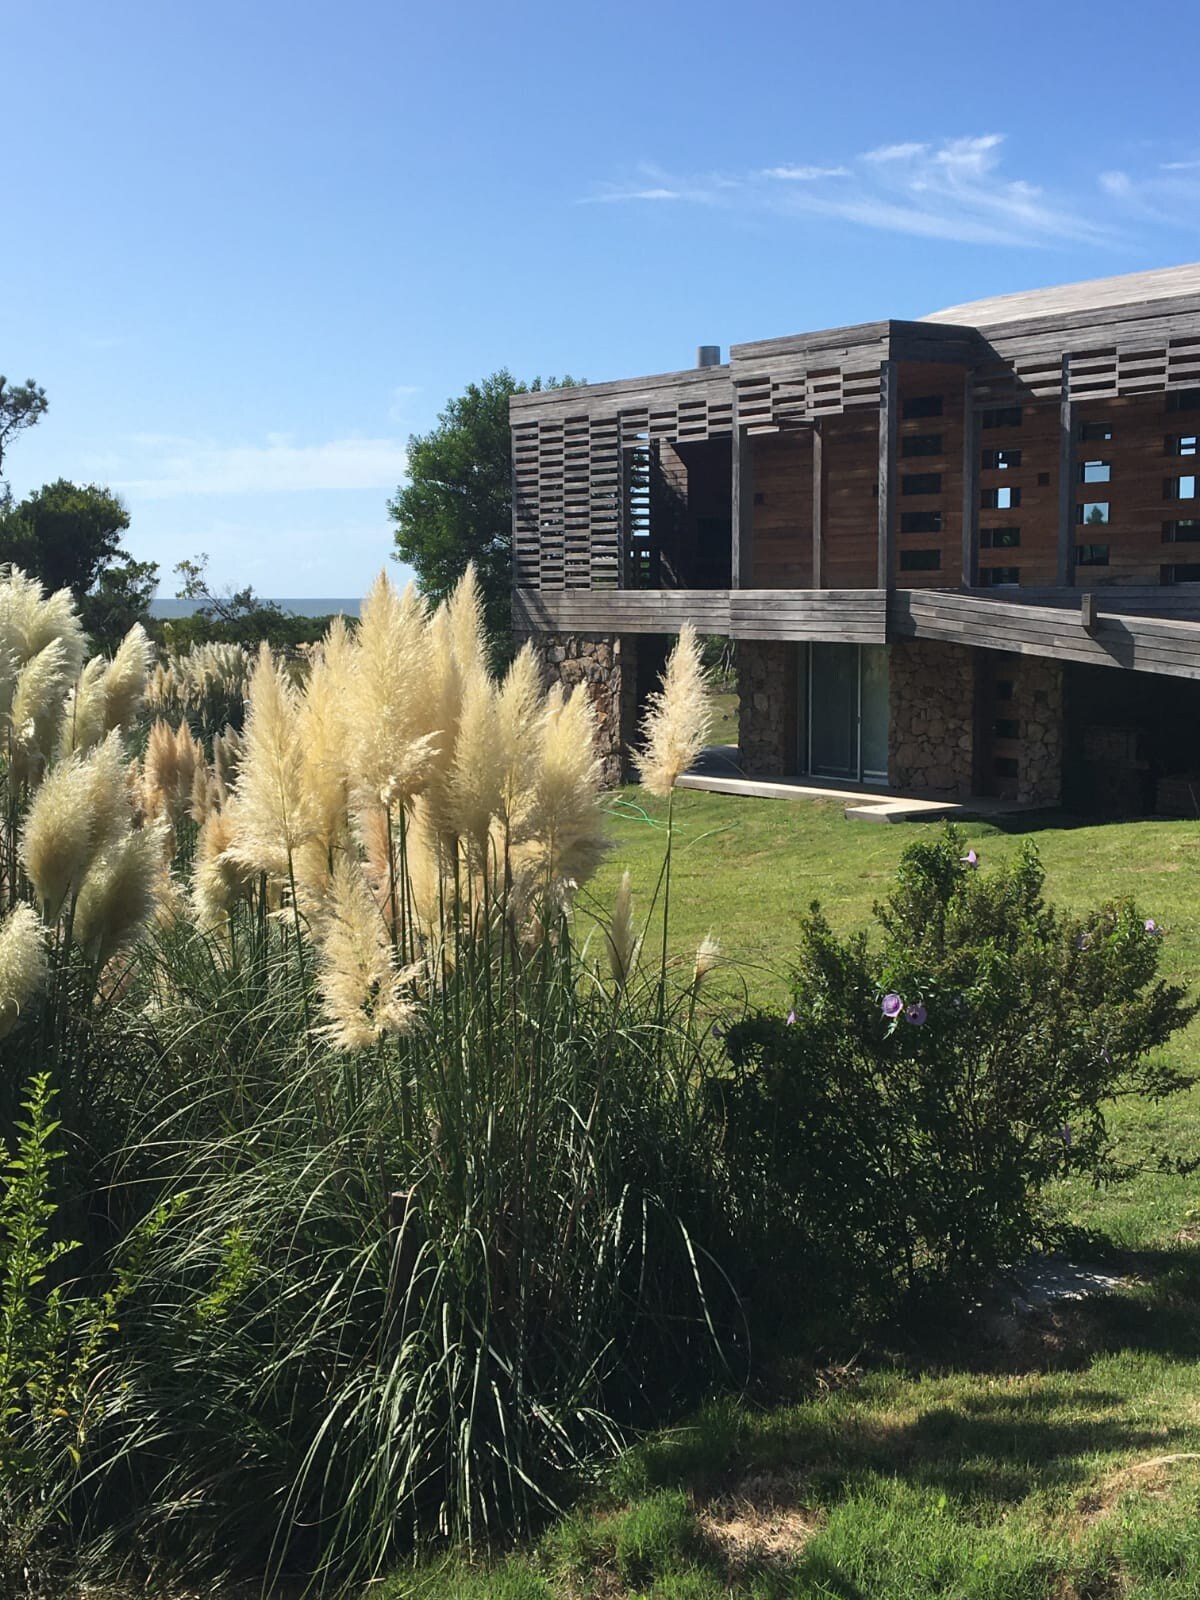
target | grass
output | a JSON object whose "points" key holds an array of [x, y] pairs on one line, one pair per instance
{"points": [[1064, 1466]]}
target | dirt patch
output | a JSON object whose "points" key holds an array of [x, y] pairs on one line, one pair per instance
{"points": [[762, 1518], [1152, 1476]]}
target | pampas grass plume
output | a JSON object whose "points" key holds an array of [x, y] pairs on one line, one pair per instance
{"points": [[708, 954], [124, 683], [273, 818], [23, 964], [120, 892], [37, 708], [678, 718], [620, 936], [392, 740], [363, 994], [564, 819]]}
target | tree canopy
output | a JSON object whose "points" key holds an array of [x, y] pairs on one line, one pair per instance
{"points": [[68, 535], [22, 405], [457, 504]]}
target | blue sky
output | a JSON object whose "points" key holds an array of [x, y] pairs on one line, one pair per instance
{"points": [[250, 248]]}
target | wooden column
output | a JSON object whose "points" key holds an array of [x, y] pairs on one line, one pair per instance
{"points": [[818, 507], [970, 500], [743, 510], [1067, 534], [889, 416]]}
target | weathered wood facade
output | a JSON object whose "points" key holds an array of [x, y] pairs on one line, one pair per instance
{"points": [[1017, 475]]}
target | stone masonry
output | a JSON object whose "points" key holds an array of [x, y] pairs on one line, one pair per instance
{"points": [[608, 665], [931, 722], [766, 675], [1038, 705]]}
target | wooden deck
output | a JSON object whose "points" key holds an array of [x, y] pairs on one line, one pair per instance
{"points": [[1053, 624]]}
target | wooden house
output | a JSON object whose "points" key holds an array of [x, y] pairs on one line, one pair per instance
{"points": [[959, 555]]}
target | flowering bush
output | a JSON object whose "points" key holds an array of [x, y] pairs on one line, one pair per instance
{"points": [[904, 1126]]}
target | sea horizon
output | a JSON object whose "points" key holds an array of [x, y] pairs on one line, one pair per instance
{"points": [[165, 610]]}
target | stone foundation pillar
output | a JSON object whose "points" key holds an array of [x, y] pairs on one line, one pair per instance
{"points": [[931, 717], [1038, 707], [767, 680], [607, 664]]}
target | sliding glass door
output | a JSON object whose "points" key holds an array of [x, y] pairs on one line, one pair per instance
{"points": [[844, 688]]}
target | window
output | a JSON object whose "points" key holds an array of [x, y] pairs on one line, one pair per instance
{"points": [[921, 444], [920, 522], [1181, 444], [1183, 400], [1091, 555], [1006, 728], [1091, 513], [1100, 431], [1001, 417], [1188, 572], [921, 483], [994, 577], [999, 538], [1003, 688], [920, 560], [1179, 488], [1005, 499], [1001, 460], [921, 405], [1095, 471], [1185, 531], [1005, 766]]}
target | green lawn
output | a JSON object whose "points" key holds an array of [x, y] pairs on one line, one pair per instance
{"points": [[1065, 1468]]}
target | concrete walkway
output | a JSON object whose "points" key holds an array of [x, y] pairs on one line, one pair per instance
{"points": [[718, 771]]}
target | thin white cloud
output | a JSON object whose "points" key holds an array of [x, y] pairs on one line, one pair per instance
{"points": [[953, 190], [164, 466], [804, 174], [1168, 195]]}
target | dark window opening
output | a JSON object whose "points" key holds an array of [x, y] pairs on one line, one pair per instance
{"points": [[921, 444], [1006, 728], [1092, 513], [1183, 400], [1001, 417], [1091, 555], [1001, 460], [921, 483], [999, 538], [1004, 688], [997, 577], [1184, 572], [1005, 766], [1005, 499], [1043, 480], [920, 560], [921, 405], [1185, 531], [920, 522], [1100, 431]]}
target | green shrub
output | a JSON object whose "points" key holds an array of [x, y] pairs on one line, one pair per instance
{"points": [[904, 1119]]}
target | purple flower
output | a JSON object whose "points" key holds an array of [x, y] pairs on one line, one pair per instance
{"points": [[1064, 1133], [893, 1005], [791, 1018], [916, 1013], [1152, 926], [971, 859]]}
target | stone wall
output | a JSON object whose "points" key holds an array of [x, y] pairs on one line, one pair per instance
{"points": [[607, 663], [1038, 706], [931, 723], [767, 677]]}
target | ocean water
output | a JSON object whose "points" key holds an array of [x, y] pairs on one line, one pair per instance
{"points": [[166, 609]]}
